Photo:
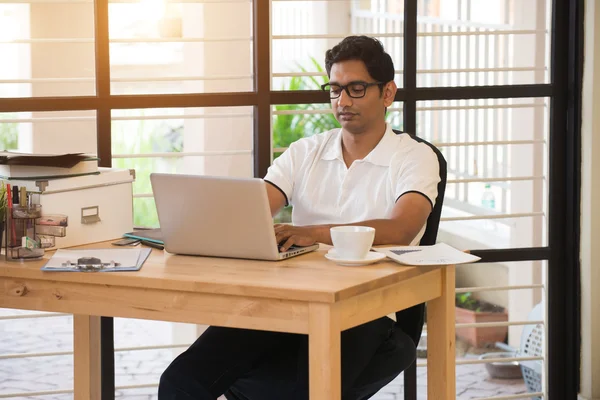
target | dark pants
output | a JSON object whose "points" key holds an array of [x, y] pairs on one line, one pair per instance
{"points": [[263, 365]]}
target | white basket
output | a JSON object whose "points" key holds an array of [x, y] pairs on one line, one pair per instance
{"points": [[532, 345]]}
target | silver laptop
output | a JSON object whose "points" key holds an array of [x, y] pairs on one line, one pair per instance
{"points": [[217, 216]]}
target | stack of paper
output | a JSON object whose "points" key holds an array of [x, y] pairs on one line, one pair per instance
{"points": [[438, 254], [38, 166], [112, 259]]}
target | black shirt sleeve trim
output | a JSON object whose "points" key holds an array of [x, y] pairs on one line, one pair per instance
{"points": [[413, 191], [287, 203]]}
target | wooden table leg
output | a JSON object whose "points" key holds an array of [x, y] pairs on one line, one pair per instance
{"points": [[325, 377], [86, 354], [441, 341]]}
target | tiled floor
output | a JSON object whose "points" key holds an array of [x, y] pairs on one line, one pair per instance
{"points": [[144, 367]]}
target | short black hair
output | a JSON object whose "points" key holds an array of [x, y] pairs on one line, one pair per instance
{"points": [[366, 49]]}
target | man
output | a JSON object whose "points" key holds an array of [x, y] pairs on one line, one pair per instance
{"points": [[361, 174]]}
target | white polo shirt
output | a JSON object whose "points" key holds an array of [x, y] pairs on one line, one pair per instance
{"points": [[312, 175]]}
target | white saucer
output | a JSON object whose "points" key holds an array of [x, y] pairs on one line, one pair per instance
{"points": [[371, 258]]}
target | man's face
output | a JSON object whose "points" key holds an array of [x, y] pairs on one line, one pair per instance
{"points": [[357, 115]]}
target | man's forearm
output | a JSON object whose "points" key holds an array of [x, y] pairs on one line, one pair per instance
{"points": [[386, 232]]}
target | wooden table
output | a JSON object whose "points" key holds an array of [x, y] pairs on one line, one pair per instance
{"points": [[306, 294]]}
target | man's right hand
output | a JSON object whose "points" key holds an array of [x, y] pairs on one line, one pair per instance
{"points": [[289, 235]]}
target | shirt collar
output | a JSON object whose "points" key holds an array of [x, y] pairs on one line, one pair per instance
{"points": [[380, 155], [333, 148]]}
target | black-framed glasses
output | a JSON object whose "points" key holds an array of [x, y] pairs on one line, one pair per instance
{"points": [[355, 89]]}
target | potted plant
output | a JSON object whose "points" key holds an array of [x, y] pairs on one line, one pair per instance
{"points": [[471, 310]]}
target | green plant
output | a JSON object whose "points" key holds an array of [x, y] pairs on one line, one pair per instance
{"points": [[468, 301]]}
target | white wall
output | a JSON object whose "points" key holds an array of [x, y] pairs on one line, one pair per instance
{"points": [[590, 215]]}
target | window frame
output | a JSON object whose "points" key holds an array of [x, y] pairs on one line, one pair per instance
{"points": [[566, 66]]}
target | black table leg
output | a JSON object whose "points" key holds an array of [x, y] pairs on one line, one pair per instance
{"points": [[107, 358], [410, 382]]}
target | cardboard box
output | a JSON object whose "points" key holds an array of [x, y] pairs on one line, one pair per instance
{"points": [[99, 207]]}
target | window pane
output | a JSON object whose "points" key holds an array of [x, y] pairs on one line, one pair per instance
{"points": [[497, 191], [298, 62], [486, 286], [205, 141], [9, 131], [164, 47], [47, 49], [483, 42], [53, 132]]}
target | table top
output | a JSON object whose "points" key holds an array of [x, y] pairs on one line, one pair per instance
{"points": [[308, 277]]}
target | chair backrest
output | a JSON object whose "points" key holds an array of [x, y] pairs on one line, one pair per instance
{"points": [[412, 319]]}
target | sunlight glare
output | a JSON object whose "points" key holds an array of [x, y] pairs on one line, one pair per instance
{"points": [[9, 29], [152, 10]]}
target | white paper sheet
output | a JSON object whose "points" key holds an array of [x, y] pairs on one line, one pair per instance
{"points": [[438, 254], [127, 258]]}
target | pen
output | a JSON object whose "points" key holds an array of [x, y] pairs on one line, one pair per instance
{"points": [[23, 198], [152, 244], [15, 195], [9, 203]]}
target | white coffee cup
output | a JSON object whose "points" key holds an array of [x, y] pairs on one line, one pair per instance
{"points": [[352, 242]]}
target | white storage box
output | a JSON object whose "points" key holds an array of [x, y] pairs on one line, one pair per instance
{"points": [[99, 207]]}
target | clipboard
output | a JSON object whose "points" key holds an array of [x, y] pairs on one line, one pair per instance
{"points": [[106, 260]]}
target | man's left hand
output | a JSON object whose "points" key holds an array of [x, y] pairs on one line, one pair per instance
{"points": [[288, 235]]}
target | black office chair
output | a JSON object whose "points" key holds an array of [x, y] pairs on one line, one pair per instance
{"points": [[390, 359], [412, 319]]}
